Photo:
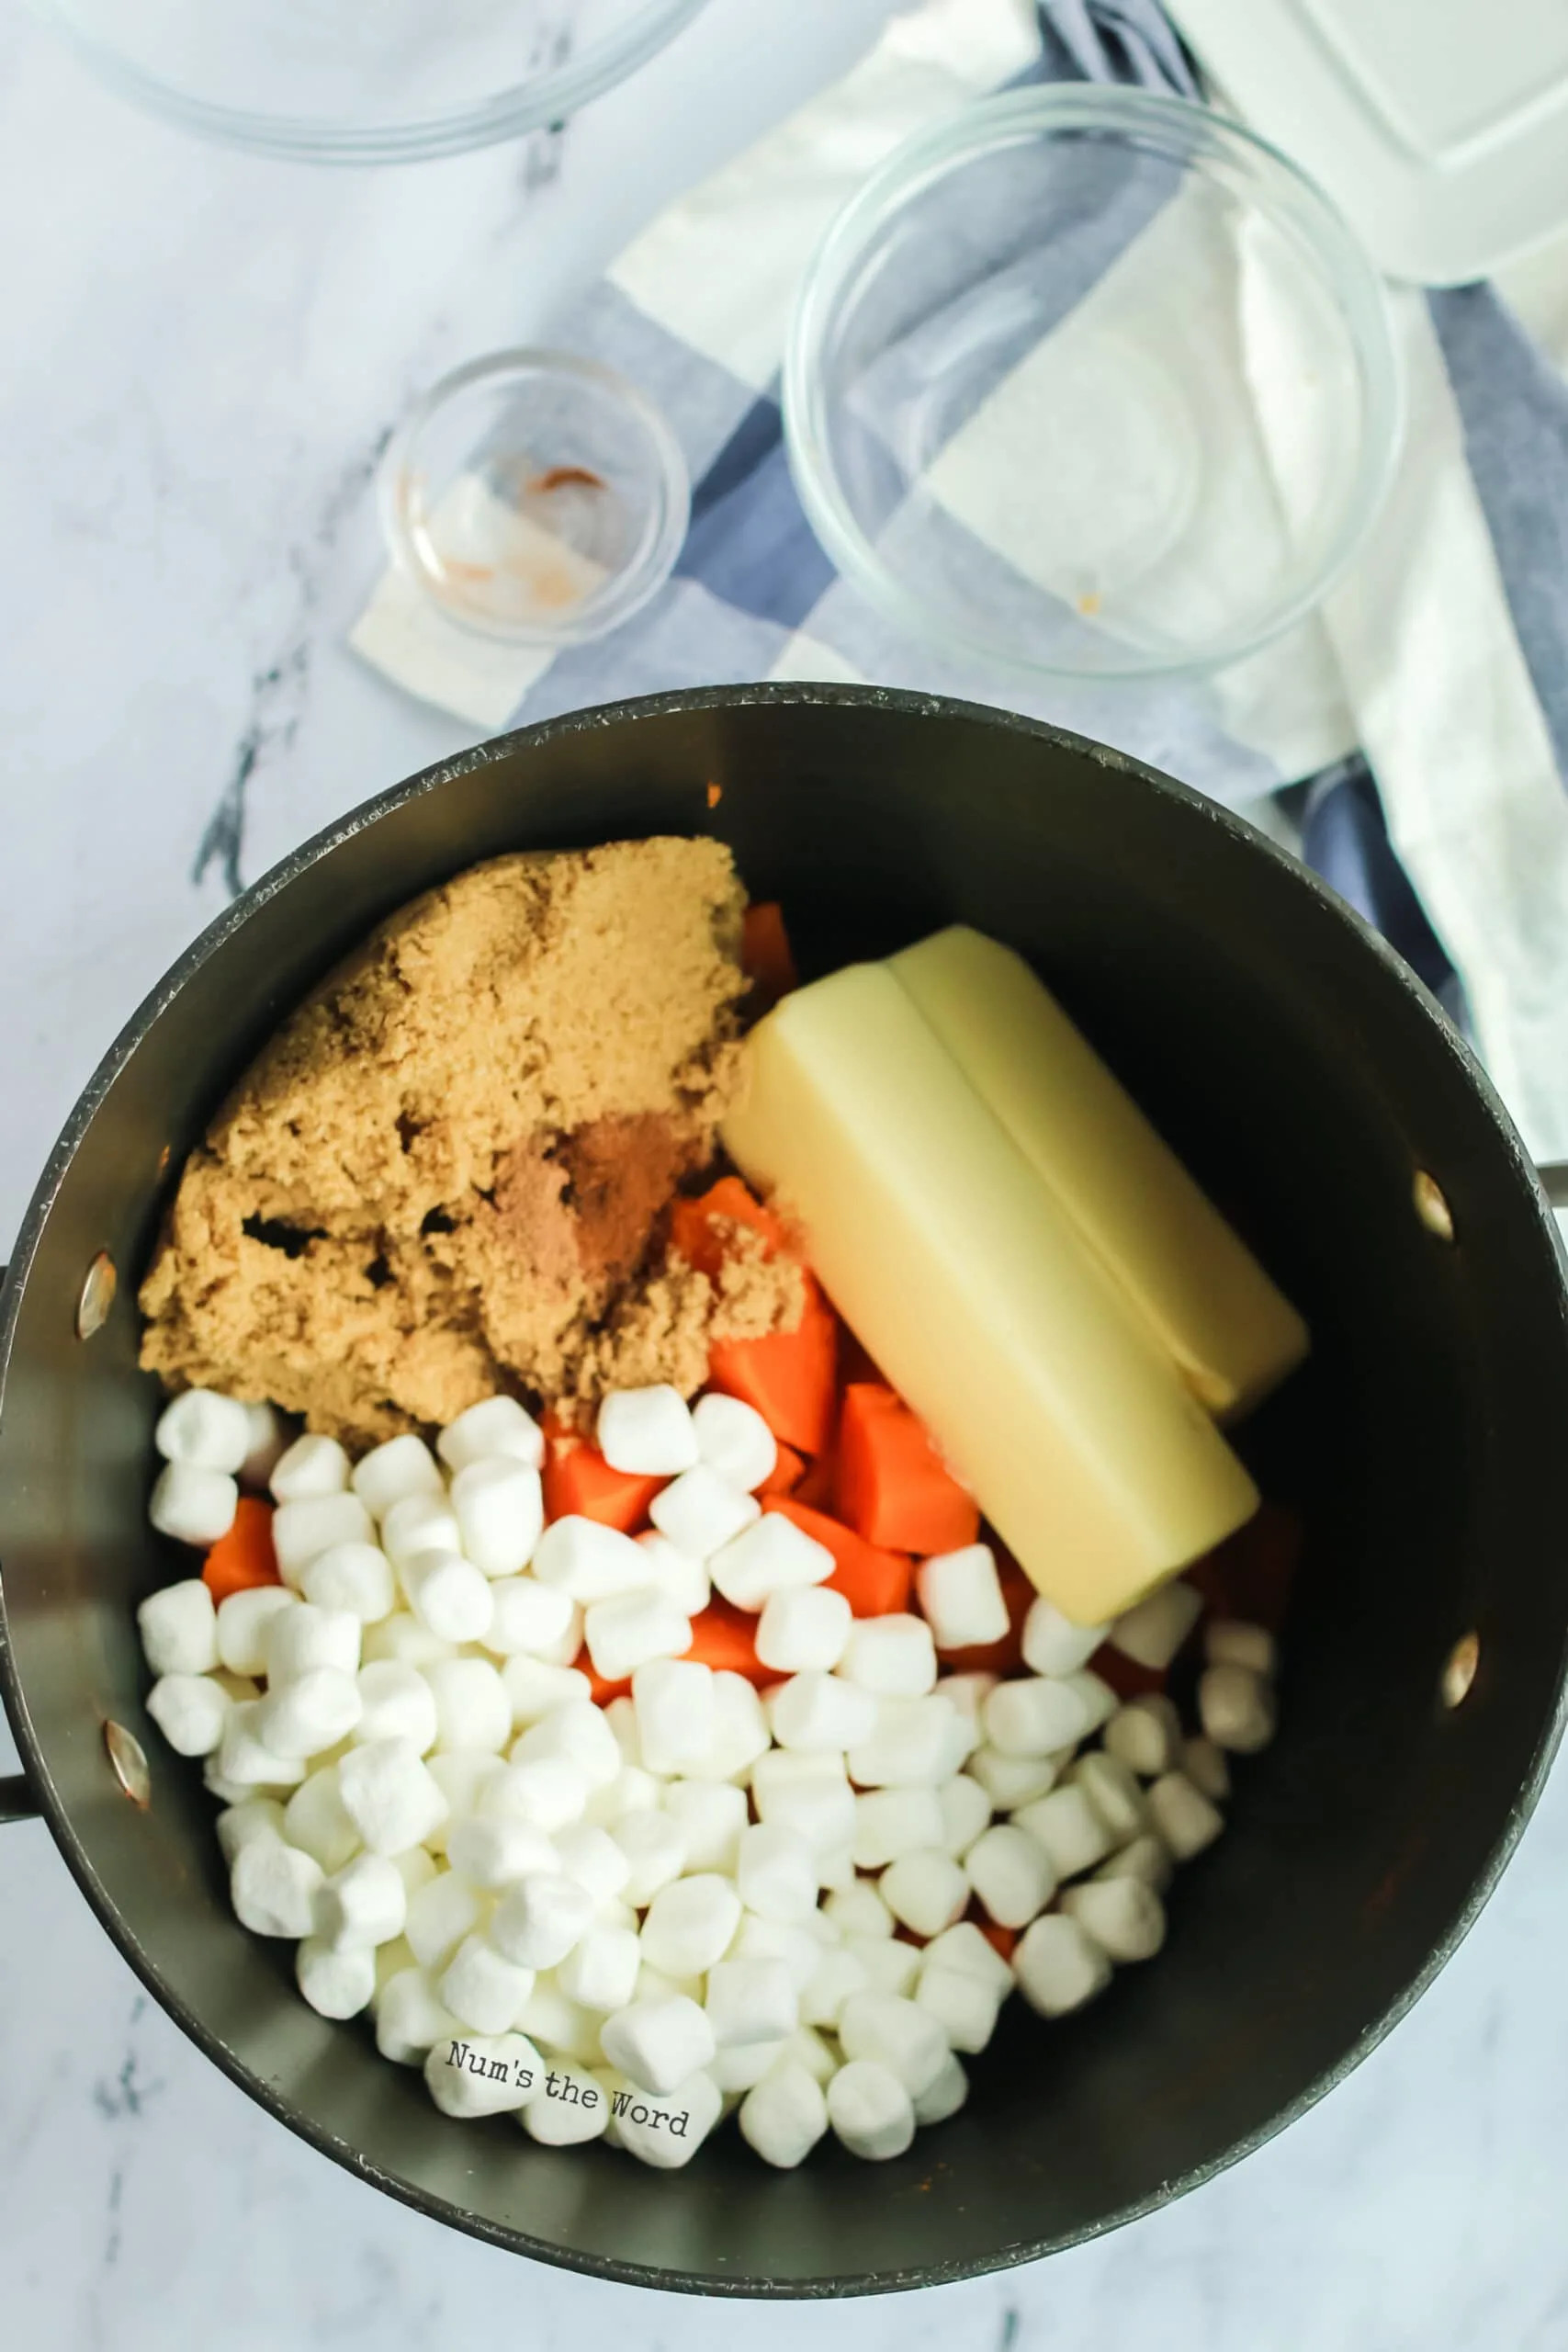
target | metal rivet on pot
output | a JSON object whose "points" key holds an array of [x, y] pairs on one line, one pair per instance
{"points": [[1431, 1207], [97, 1295], [1458, 1672], [128, 1759]]}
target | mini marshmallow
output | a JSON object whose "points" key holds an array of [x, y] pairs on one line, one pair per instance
{"points": [[835, 1864], [893, 1655], [814, 1713], [655, 1848], [481, 1989], [402, 1637], [409, 2020], [627, 1632], [925, 1890], [807, 2049], [362, 1905], [440, 1914], [808, 1793], [462, 1775], [1012, 1873], [1114, 1793], [701, 1512], [243, 1761], [296, 1641], [1052, 1644], [804, 1627], [909, 1747], [691, 1923], [316, 1820], [416, 1524], [785, 2115], [1123, 1915], [179, 1629], [536, 1690], [749, 2001], [711, 1814], [355, 1580], [891, 1965], [546, 1792], [896, 2033], [309, 1468], [1144, 1734], [1205, 1767], [658, 2043], [966, 1949], [1037, 1714], [1068, 1828], [573, 2109], [647, 1432], [890, 1822], [734, 1440], [448, 1595], [501, 1512], [960, 1598], [968, 1693], [960, 1738], [1147, 1858], [266, 1441], [308, 1714], [1012, 1780], [739, 1729], [563, 2025], [273, 1887], [837, 1973], [193, 1506], [631, 1791], [538, 1921], [1058, 1967], [239, 1823], [1237, 1706], [859, 1910], [395, 1702], [209, 1431], [1153, 1632], [302, 1531], [795, 1943], [473, 2075], [652, 1985], [591, 1856], [675, 1714], [965, 1811], [675, 1574], [532, 1618], [472, 1709], [962, 2005], [1183, 1816], [590, 1562], [496, 1852], [776, 1872], [944, 2096], [190, 1710], [497, 1427], [579, 1734], [741, 2068], [600, 1971], [403, 1465], [337, 1983], [870, 2110], [416, 1867], [390, 1795], [772, 1556], [1230, 1641], [666, 2131]]}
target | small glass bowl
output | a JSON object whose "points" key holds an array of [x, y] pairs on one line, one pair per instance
{"points": [[365, 81], [1091, 382], [535, 497]]}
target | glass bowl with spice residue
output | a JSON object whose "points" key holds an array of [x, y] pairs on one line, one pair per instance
{"points": [[536, 497], [1090, 383]]}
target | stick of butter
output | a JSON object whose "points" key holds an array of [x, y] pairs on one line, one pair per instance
{"points": [[1203, 1296], [951, 1259]]}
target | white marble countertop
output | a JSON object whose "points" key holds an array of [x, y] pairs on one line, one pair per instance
{"points": [[204, 353]]}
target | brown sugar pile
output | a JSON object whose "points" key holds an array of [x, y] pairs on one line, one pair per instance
{"points": [[447, 1173]]}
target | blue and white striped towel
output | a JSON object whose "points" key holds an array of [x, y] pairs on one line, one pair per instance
{"points": [[1425, 710]]}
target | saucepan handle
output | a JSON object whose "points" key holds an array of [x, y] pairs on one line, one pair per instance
{"points": [[17, 1802]]}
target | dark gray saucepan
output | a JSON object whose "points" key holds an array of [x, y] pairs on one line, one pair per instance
{"points": [[1306, 1076]]}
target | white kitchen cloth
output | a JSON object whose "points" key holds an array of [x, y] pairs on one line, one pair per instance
{"points": [[1439, 667]]}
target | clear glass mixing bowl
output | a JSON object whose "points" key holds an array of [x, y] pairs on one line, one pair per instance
{"points": [[365, 81], [1091, 382]]}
